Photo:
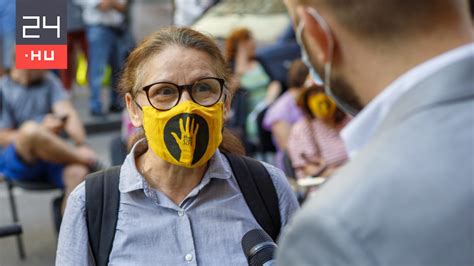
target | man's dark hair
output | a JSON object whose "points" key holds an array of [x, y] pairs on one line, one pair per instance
{"points": [[386, 19], [471, 8]]}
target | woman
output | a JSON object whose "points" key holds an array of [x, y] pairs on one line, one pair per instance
{"points": [[179, 200], [314, 144], [251, 77], [284, 112]]}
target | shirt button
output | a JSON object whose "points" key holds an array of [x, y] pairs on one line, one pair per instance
{"points": [[181, 213], [188, 257]]}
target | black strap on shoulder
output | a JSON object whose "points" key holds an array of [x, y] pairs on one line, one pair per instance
{"points": [[259, 192], [102, 204]]}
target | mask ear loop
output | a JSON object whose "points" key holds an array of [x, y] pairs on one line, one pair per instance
{"points": [[139, 107], [328, 66], [327, 31]]}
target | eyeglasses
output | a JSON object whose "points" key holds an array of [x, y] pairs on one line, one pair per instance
{"points": [[165, 95]]}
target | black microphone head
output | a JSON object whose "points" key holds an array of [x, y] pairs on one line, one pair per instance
{"points": [[258, 247]]}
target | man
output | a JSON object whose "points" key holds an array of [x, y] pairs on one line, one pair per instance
{"points": [[108, 40], [34, 110], [406, 68], [7, 34]]}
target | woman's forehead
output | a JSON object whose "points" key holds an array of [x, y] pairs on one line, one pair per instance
{"points": [[179, 65]]}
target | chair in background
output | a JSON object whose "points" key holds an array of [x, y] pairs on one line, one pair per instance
{"points": [[266, 148], [16, 228], [301, 187]]}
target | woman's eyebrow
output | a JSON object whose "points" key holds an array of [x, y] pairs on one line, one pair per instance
{"points": [[208, 75]]}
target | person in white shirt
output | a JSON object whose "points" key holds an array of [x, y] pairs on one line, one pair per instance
{"points": [[405, 70], [186, 12]]}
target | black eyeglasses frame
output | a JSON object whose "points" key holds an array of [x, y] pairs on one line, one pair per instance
{"points": [[187, 87]]}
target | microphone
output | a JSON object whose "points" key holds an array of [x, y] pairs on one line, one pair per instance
{"points": [[258, 248]]}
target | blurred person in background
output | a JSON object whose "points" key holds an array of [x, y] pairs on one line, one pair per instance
{"points": [[108, 40], [7, 34], [405, 70], [276, 57], [179, 198], [284, 112], [76, 38], [186, 12], [121, 145], [35, 110], [258, 89], [314, 144]]}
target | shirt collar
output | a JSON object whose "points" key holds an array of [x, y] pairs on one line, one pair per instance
{"points": [[363, 127], [131, 179]]}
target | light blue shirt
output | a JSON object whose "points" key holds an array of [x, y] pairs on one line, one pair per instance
{"points": [[204, 229], [365, 125], [20, 104]]}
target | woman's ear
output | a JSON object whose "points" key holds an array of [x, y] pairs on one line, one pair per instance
{"points": [[133, 111], [227, 105]]}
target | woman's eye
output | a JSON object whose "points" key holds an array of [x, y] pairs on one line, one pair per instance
{"points": [[203, 87], [166, 91]]}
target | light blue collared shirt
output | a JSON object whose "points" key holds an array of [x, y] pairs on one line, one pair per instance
{"points": [[365, 125], [204, 229]]}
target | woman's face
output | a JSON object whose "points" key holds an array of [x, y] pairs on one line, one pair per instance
{"points": [[251, 46], [174, 64]]}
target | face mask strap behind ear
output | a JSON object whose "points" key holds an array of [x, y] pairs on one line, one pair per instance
{"points": [[327, 32], [139, 107], [328, 65]]}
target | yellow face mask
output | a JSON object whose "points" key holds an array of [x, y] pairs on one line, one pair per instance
{"points": [[321, 106], [186, 135]]}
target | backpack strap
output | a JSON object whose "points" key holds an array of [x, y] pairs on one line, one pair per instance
{"points": [[259, 192], [102, 204]]}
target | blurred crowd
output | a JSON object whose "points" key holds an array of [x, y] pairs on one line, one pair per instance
{"points": [[279, 114]]}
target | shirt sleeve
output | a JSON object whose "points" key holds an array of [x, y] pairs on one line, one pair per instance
{"points": [[7, 120], [270, 118], [276, 112], [299, 143], [58, 93], [316, 237], [287, 201], [73, 243]]}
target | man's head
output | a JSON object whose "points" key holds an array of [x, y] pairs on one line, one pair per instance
{"points": [[26, 77], [360, 46]]}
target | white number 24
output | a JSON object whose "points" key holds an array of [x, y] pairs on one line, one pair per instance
{"points": [[37, 26]]}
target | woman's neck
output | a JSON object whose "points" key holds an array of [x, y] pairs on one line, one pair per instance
{"points": [[244, 65], [176, 182], [295, 92]]}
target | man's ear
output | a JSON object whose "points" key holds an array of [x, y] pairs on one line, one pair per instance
{"points": [[316, 34], [133, 111]]}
